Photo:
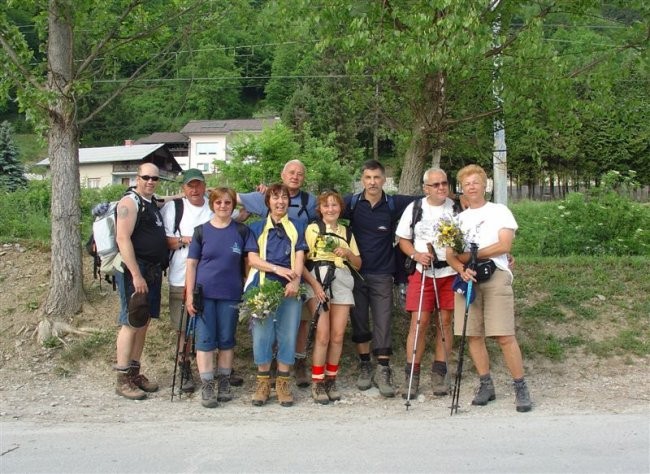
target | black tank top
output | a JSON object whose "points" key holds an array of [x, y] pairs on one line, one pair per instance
{"points": [[148, 238]]}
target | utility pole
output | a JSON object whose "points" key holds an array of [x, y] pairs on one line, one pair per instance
{"points": [[499, 153]]}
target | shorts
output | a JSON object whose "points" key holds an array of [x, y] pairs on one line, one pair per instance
{"points": [[341, 287], [176, 294], [493, 311], [152, 274], [216, 326], [445, 293]]}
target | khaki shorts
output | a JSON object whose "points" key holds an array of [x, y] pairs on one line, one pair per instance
{"points": [[176, 294], [493, 311], [341, 286]]}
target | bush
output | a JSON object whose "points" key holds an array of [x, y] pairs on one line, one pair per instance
{"points": [[597, 223]]}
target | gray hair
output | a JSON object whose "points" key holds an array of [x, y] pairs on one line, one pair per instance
{"points": [[431, 171], [293, 162]]}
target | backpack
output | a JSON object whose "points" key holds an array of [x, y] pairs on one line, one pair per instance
{"points": [[102, 244], [322, 231], [304, 201]]}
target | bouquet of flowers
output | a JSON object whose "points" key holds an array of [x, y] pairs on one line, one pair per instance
{"points": [[325, 243], [448, 234], [260, 301]]}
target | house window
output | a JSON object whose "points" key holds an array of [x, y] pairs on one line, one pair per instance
{"points": [[93, 183], [207, 149], [203, 166]]}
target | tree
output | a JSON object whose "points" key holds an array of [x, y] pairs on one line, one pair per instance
{"points": [[12, 173], [82, 41]]}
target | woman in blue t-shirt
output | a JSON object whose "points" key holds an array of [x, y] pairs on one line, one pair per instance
{"points": [[280, 257], [215, 264]]}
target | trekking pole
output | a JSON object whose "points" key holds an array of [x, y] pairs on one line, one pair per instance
{"points": [[178, 348], [440, 326], [461, 349], [415, 342]]}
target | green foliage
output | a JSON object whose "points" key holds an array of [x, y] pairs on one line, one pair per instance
{"points": [[11, 169], [601, 222], [260, 159]]}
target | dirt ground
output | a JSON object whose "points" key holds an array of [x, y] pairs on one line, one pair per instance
{"points": [[37, 384]]}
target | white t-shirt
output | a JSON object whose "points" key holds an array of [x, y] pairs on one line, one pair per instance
{"points": [[424, 232], [482, 226], [192, 216]]}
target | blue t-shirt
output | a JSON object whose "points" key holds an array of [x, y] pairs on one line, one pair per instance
{"points": [[278, 245], [374, 230], [254, 203], [220, 255]]}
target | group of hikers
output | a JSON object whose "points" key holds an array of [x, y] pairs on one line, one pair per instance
{"points": [[326, 268]]}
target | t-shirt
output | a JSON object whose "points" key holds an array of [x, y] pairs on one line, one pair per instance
{"points": [[319, 255], [278, 245], [220, 253], [148, 237], [481, 226], [254, 203], [425, 233], [192, 216]]}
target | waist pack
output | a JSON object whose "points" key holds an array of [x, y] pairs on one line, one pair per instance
{"points": [[409, 265], [484, 270]]}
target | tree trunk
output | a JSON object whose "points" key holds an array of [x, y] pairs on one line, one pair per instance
{"points": [[415, 162], [66, 284]]}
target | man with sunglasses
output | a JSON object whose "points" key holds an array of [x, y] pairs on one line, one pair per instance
{"points": [[302, 207], [140, 236]]}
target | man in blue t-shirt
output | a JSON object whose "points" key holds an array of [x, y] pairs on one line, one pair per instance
{"points": [[302, 208], [373, 216]]}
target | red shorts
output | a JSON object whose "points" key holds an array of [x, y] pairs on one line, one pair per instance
{"points": [[445, 293]]}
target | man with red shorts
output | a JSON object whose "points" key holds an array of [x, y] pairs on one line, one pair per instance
{"points": [[416, 241]]}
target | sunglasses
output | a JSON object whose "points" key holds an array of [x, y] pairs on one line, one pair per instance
{"points": [[437, 185], [146, 177]]}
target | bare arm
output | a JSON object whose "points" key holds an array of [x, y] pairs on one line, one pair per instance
{"points": [[406, 246], [190, 282], [127, 214]]}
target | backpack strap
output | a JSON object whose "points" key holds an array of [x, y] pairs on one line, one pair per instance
{"points": [[322, 231], [304, 202], [178, 213], [416, 216]]}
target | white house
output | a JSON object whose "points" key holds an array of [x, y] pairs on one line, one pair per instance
{"points": [[102, 166], [209, 139]]}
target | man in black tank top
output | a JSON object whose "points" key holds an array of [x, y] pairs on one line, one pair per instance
{"points": [[140, 236]]}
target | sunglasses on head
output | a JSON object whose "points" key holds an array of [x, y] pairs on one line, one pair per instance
{"points": [[146, 177]]}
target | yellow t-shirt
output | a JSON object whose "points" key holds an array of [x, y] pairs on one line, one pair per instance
{"points": [[321, 246]]}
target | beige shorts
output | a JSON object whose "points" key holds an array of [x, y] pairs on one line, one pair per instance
{"points": [[341, 286], [493, 311], [176, 294]]}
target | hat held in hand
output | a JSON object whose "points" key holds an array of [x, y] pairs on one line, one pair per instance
{"points": [[460, 286], [138, 310]]}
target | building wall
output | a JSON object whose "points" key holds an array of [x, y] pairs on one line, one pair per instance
{"points": [[204, 149], [96, 175]]}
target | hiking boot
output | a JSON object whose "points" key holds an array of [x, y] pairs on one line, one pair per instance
{"points": [[225, 394], [300, 373], [236, 380], [331, 389], [208, 395], [383, 380], [414, 385], [283, 390], [522, 397], [484, 393], [318, 393], [440, 384], [140, 380], [262, 391], [126, 388], [188, 385], [364, 381]]}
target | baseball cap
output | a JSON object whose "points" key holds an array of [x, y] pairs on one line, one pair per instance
{"points": [[193, 174]]}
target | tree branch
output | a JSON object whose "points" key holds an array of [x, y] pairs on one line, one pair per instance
{"points": [[494, 51], [447, 124], [15, 60]]}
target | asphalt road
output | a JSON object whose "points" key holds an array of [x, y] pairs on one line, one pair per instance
{"points": [[406, 443]]}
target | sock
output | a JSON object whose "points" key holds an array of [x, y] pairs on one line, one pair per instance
{"points": [[224, 371], [135, 364], [283, 374], [331, 370], [207, 376], [301, 355], [439, 367], [416, 368], [364, 357], [520, 381], [265, 373], [383, 362], [118, 368], [485, 378], [317, 373]]}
